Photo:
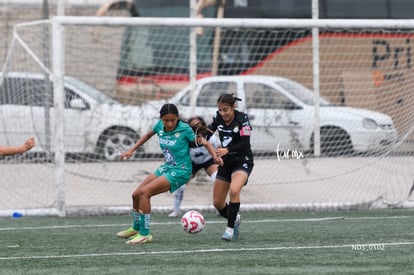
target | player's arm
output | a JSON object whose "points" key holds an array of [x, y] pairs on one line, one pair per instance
{"points": [[210, 149], [141, 141], [241, 146], [12, 150]]}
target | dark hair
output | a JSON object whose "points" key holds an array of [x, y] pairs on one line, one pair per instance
{"points": [[202, 121], [200, 130], [228, 99], [168, 108]]}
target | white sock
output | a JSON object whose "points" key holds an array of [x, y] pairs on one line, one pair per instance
{"points": [[213, 176]]}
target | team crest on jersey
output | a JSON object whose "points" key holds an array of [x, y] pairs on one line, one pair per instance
{"points": [[236, 129], [246, 131], [177, 135]]}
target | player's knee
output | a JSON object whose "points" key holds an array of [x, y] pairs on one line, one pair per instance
{"points": [[134, 197], [138, 194], [218, 204], [234, 193], [215, 203]]}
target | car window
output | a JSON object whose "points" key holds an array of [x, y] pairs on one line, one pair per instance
{"points": [[301, 92], [185, 99], [71, 95], [97, 95], [25, 91], [261, 96], [210, 92]]}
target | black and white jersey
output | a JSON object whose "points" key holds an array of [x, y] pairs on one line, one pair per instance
{"points": [[235, 137], [200, 154]]}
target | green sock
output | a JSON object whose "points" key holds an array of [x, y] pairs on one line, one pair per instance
{"points": [[144, 224], [135, 220]]}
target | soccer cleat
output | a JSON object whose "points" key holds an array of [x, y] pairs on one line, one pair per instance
{"points": [[130, 232], [138, 238], [227, 236], [173, 215], [236, 227]]}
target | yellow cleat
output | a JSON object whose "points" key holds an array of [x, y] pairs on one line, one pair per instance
{"points": [[137, 239], [130, 232]]}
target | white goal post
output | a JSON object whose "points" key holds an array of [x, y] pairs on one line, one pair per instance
{"points": [[349, 148]]}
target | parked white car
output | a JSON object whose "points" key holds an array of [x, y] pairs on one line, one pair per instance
{"points": [[93, 122], [281, 112]]}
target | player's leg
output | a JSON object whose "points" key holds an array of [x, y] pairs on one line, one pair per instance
{"points": [[211, 170], [179, 194], [220, 189], [239, 179], [135, 228], [135, 194], [178, 199], [144, 193]]}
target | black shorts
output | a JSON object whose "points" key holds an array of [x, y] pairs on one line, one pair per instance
{"points": [[205, 165], [224, 172]]}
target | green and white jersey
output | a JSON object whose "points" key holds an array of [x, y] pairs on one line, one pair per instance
{"points": [[175, 145]]}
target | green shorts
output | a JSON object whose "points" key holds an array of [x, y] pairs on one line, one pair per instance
{"points": [[175, 176]]}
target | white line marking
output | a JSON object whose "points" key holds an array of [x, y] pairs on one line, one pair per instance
{"points": [[207, 222], [180, 252]]}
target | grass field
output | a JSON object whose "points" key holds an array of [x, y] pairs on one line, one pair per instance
{"points": [[351, 242]]}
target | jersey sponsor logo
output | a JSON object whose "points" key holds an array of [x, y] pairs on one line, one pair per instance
{"points": [[246, 131], [220, 128], [167, 142]]}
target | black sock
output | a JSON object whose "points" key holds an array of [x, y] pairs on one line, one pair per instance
{"points": [[223, 212], [234, 208]]}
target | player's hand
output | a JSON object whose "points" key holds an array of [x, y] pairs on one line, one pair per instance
{"points": [[220, 152], [126, 155], [29, 143], [218, 161]]}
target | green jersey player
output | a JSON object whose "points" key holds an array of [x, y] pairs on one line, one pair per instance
{"points": [[175, 137]]}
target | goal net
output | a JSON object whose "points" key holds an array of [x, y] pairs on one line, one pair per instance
{"points": [[331, 113]]}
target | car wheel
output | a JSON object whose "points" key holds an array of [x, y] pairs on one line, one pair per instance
{"points": [[334, 142], [115, 141]]}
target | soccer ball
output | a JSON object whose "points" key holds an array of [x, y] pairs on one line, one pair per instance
{"points": [[193, 222]]}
